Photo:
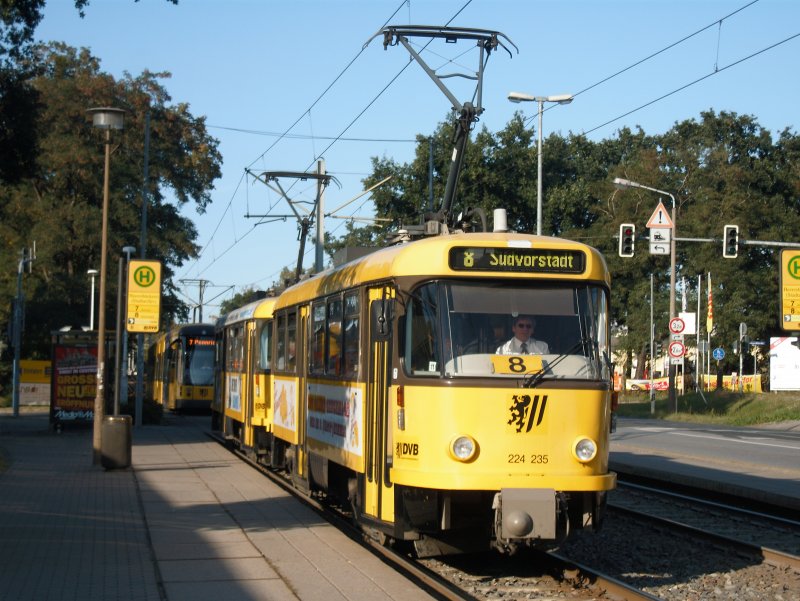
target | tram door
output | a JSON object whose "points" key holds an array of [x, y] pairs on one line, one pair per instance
{"points": [[300, 472], [251, 372], [378, 494]]}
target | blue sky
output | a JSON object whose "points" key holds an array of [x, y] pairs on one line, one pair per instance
{"points": [[255, 67]]}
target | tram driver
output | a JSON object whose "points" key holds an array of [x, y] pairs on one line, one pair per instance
{"points": [[523, 342]]}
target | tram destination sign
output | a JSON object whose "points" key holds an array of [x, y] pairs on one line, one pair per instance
{"points": [[521, 260]]}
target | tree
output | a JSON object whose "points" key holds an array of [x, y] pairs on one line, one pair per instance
{"points": [[19, 101], [722, 168], [60, 204]]}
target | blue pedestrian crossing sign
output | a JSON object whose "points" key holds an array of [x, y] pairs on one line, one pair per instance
{"points": [[718, 353]]}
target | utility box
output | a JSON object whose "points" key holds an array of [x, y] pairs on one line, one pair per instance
{"points": [[115, 447]]}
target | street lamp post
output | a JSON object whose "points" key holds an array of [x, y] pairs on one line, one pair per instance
{"points": [[559, 99], [106, 118], [92, 273], [122, 383], [624, 184]]}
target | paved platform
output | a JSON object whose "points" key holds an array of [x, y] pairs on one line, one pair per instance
{"points": [[188, 521]]}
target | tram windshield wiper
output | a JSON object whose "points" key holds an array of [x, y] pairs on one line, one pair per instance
{"points": [[532, 380]]}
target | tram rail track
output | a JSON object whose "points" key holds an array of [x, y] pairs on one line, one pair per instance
{"points": [[584, 581], [775, 538]]}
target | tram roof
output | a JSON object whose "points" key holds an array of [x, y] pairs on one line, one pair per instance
{"points": [[429, 257], [261, 308]]}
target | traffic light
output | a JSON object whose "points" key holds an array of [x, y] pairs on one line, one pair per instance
{"points": [[730, 241], [627, 235]]}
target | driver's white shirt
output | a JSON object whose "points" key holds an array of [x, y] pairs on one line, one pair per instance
{"points": [[513, 347]]}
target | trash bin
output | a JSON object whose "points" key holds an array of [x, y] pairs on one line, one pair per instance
{"points": [[115, 446]]}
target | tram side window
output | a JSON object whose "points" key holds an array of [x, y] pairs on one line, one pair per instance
{"points": [[317, 354], [280, 344], [421, 341], [334, 337], [174, 367], [264, 347], [291, 342], [235, 349], [351, 335]]}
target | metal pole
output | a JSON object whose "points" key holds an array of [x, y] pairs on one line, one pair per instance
{"points": [[673, 397], [121, 380], [698, 358], [708, 360], [741, 364], [91, 307], [320, 247], [652, 351], [117, 340], [430, 173], [17, 338], [143, 246], [202, 290], [99, 399], [539, 176]]}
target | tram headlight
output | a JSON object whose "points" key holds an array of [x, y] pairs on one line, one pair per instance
{"points": [[463, 448], [584, 449]]}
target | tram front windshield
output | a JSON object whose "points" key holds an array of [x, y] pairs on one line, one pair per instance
{"points": [[453, 329], [199, 362]]}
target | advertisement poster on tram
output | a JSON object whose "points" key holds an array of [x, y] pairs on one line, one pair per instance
{"points": [[74, 382]]}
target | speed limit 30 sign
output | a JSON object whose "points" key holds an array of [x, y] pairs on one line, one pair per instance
{"points": [[677, 325]]}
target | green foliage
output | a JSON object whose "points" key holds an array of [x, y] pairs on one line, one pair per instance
{"points": [[721, 168], [19, 101], [718, 407], [59, 205]]}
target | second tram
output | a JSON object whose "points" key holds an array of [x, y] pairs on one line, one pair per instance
{"points": [[181, 367]]}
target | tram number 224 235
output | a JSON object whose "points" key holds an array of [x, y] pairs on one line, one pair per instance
{"points": [[524, 458]]}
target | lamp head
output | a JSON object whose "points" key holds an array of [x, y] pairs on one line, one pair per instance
{"points": [[561, 98], [623, 184], [129, 250], [92, 272], [106, 117], [520, 97]]}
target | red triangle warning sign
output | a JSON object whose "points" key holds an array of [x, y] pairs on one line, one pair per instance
{"points": [[660, 217]]}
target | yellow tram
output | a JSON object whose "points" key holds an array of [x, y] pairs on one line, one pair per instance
{"points": [[389, 394], [181, 367], [242, 408]]}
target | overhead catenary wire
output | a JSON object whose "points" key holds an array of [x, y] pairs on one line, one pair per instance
{"points": [[341, 137], [335, 139], [716, 71], [717, 22], [278, 139]]}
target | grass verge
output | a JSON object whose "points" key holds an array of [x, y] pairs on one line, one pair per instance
{"points": [[718, 407]]}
